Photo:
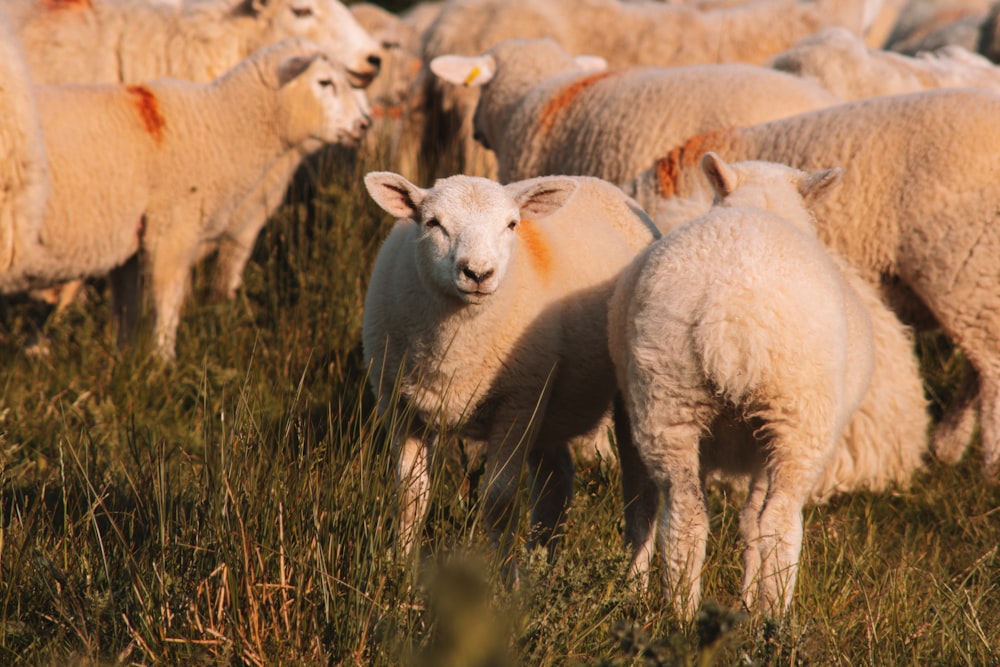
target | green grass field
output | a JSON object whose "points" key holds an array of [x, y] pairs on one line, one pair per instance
{"points": [[237, 508]]}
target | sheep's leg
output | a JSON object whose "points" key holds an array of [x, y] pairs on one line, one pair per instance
{"points": [[750, 533], [952, 435], [989, 398], [640, 496], [795, 465], [552, 473], [673, 458], [506, 455], [125, 283], [170, 262], [412, 454], [245, 223]]}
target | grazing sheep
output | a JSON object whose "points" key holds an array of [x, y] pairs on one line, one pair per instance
{"points": [[24, 177], [648, 33], [917, 213], [133, 41], [739, 345], [841, 62], [159, 168], [543, 112], [485, 319]]}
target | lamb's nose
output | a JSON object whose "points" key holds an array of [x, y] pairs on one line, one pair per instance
{"points": [[477, 277], [375, 61]]}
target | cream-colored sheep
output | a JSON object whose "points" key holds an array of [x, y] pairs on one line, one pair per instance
{"points": [[134, 41], [486, 316], [24, 176], [841, 62], [542, 112], [158, 168], [916, 214], [739, 345], [654, 34]]}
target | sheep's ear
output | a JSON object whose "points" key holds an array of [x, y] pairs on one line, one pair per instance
{"points": [[819, 184], [293, 67], [396, 195], [720, 175], [543, 197], [591, 63], [465, 70]]}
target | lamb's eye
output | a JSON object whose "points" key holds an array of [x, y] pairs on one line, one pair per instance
{"points": [[326, 83], [512, 224], [432, 222], [302, 12]]}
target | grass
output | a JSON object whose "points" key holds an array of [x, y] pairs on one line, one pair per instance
{"points": [[237, 508]]}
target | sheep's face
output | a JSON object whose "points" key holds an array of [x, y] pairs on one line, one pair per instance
{"points": [[326, 22], [318, 105], [467, 226]]}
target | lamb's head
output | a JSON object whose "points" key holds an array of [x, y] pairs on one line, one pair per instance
{"points": [[327, 22], [785, 191], [317, 103], [467, 226], [506, 73]]}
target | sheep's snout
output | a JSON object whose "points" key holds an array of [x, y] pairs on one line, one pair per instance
{"points": [[475, 282]]}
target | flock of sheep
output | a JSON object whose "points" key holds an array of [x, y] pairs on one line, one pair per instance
{"points": [[715, 223]]}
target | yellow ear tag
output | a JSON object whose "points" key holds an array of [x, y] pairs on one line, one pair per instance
{"points": [[472, 75]]}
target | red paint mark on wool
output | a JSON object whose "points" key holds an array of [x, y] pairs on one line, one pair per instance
{"points": [[149, 110], [687, 154], [565, 97], [539, 252], [57, 5]]}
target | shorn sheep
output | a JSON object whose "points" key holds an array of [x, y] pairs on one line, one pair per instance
{"points": [[841, 62], [545, 112], [649, 33], [157, 168], [741, 346], [486, 314], [134, 41], [917, 214], [24, 175]]}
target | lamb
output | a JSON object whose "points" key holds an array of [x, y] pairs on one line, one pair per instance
{"points": [[916, 215], [484, 319], [742, 346], [132, 41], [842, 63], [24, 175], [543, 112], [653, 34], [159, 167]]}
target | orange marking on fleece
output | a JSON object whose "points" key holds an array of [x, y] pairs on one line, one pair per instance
{"points": [[149, 110], [56, 5], [538, 248], [687, 154], [565, 97]]}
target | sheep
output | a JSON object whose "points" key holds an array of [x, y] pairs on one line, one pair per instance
{"points": [[485, 317], [925, 26], [158, 168], [916, 215], [653, 34], [842, 63], [132, 41], [741, 345], [543, 112], [24, 175]]}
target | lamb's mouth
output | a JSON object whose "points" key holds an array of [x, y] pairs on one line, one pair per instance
{"points": [[474, 296], [361, 79]]}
